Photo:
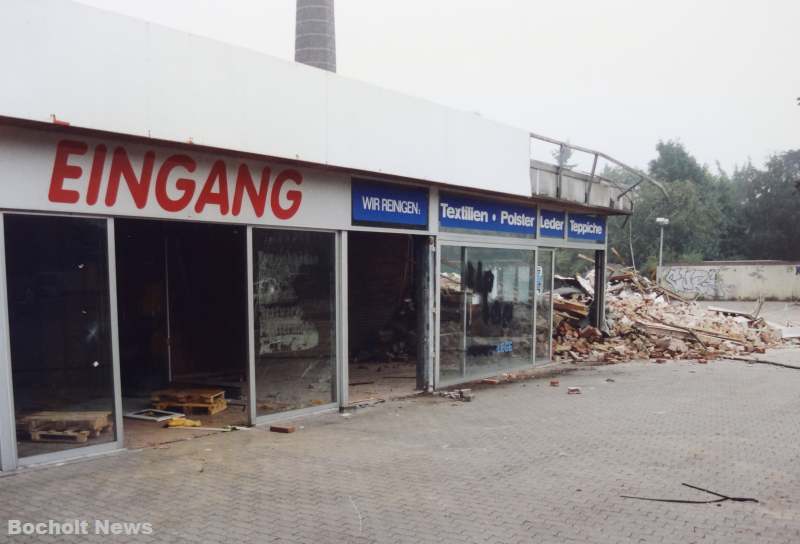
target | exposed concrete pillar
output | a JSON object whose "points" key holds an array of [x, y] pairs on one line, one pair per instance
{"points": [[315, 36]]}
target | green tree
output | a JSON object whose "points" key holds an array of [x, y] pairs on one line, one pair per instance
{"points": [[769, 215], [674, 163], [699, 206]]}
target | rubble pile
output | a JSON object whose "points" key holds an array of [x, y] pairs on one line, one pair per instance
{"points": [[644, 320]]}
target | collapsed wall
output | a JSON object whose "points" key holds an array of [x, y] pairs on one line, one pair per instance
{"points": [[647, 321]]}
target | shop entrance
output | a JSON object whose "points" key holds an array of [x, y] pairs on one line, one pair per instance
{"points": [[181, 296], [387, 314]]}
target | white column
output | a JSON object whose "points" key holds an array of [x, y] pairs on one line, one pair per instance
{"points": [[8, 440]]}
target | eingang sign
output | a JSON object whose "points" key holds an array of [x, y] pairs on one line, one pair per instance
{"points": [[46, 171]]}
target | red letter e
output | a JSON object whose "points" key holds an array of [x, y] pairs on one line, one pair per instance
{"points": [[62, 171]]}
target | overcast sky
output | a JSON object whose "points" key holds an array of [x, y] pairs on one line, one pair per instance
{"points": [[722, 76]]}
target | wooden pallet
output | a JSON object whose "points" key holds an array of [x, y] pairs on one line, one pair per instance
{"points": [[196, 395], [192, 407], [73, 436], [95, 422], [190, 399]]}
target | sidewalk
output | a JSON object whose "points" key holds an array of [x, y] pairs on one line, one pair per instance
{"points": [[523, 462]]}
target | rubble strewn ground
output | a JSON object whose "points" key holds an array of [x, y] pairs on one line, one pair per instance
{"points": [[647, 321]]}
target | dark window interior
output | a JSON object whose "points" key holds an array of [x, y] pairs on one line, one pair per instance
{"points": [[185, 281], [57, 273]]}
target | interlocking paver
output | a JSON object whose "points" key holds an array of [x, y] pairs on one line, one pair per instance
{"points": [[524, 462]]}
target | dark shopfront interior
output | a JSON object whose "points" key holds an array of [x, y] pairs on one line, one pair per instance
{"points": [[181, 296], [182, 312], [182, 315], [387, 302], [60, 331]]}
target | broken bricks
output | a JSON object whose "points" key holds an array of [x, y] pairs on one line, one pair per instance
{"points": [[591, 333], [647, 321], [464, 395], [573, 390], [285, 429]]}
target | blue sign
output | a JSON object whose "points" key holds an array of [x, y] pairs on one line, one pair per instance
{"points": [[552, 224], [590, 228], [461, 212], [385, 204]]}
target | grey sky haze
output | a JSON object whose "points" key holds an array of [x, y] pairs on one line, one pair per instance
{"points": [[616, 75]]}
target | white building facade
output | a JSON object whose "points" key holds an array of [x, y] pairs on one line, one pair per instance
{"points": [[172, 206]]}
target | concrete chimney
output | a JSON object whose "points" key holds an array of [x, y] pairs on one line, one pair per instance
{"points": [[315, 35]]}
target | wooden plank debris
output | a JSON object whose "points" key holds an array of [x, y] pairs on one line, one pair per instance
{"points": [[645, 320], [75, 436], [190, 399], [64, 426], [574, 308]]}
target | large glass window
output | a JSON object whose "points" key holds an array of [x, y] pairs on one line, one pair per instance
{"points": [[544, 306], [486, 322], [295, 319], [58, 306]]}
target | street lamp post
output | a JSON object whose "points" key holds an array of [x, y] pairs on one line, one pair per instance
{"points": [[661, 222]]}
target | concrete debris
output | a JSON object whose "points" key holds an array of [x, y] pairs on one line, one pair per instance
{"points": [[647, 321], [464, 395]]}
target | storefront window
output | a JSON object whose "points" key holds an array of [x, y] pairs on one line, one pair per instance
{"points": [[544, 317], [486, 322], [58, 306], [295, 319]]}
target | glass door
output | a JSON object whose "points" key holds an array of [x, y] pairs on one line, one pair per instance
{"points": [[60, 332]]}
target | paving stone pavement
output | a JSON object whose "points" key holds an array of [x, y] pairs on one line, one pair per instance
{"points": [[523, 462]]}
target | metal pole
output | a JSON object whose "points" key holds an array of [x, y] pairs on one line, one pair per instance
{"points": [[343, 320], [111, 255], [8, 435], [660, 255], [167, 307], [252, 404]]}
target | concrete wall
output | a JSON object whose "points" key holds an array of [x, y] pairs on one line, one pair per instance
{"points": [[734, 280]]}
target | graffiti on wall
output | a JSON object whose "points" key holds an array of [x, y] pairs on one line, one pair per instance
{"points": [[704, 282], [283, 326]]}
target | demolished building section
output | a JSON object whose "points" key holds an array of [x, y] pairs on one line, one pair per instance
{"points": [[648, 321]]}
